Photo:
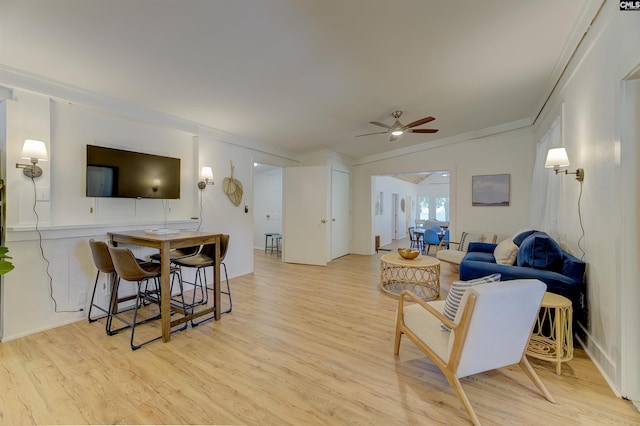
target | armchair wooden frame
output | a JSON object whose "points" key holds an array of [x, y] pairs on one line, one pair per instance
{"points": [[450, 367]]}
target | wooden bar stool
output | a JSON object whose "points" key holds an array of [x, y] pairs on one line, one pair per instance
{"points": [[270, 241]]}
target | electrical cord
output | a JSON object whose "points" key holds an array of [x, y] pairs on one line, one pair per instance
{"points": [[200, 223], [35, 211], [581, 226]]}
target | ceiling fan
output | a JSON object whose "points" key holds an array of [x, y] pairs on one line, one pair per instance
{"points": [[397, 129]]}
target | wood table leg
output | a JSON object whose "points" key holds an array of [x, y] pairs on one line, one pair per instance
{"points": [[165, 291], [216, 281]]}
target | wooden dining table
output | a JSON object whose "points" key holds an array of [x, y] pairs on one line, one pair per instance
{"points": [[165, 242]]}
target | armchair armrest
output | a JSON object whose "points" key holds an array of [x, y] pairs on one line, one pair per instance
{"points": [[405, 293], [446, 242]]}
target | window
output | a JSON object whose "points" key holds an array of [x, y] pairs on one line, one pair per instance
{"points": [[423, 208], [433, 208], [442, 209]]}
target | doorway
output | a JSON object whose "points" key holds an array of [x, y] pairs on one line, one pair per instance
{"points": [[267, 202], [398, 200]]}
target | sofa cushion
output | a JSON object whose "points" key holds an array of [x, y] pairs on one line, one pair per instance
{"points": [[456, 292], [480, 256], [506, 252], [521, 235], [539, 251]]}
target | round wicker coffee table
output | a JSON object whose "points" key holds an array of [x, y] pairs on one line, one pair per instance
{"points": [[421, 275]]}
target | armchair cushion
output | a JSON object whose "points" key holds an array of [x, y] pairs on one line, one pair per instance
{"points": [[457, 291], [506, 252], [468, 238], [539, 251], [426, 326]]}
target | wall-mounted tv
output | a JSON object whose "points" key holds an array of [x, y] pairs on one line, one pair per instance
{"points": [[127, 174]]}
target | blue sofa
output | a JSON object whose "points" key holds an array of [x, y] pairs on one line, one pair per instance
{"points": [[562, 272]]}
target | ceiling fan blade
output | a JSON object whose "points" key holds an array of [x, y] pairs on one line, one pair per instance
{"points": [[421, 131], [368, 134], [421, 121], [377, 123]]}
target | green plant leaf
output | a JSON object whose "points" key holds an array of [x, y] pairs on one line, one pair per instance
{"points": [[4, 265]]}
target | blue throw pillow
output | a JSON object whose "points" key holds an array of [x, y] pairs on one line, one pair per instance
{"points": [[539, 251], [518, 239]]}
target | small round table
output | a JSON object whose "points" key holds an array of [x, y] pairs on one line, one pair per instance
{"points": [[552, 339], [421, 275]]}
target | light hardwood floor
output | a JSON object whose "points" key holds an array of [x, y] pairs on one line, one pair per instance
{"points": [[304, 345]]}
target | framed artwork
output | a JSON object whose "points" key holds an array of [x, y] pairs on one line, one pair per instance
{"points": [[402, 202], [490, 190]]}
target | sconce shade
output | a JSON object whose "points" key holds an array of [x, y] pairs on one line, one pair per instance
{"points": [[206, 173], [556, 158], [33, 149]]}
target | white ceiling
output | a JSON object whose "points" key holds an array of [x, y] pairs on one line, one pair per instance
{"points": [[306, 75]]}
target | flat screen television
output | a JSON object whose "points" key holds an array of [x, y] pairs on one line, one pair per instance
{"points": [[127, 174]]}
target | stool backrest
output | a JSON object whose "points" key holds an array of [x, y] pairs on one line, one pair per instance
{"points": [[209, 249], [101, 256], [127, 266]]}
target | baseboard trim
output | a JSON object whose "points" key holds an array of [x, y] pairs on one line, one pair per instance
{"points": [[82, 317], [605, 365]]}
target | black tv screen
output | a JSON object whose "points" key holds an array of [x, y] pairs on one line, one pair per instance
{"points": [[127, 174]]}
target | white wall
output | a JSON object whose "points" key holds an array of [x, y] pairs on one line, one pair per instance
{"points": [[594, 109], [68, 219], [511, 153], [383, 224]]}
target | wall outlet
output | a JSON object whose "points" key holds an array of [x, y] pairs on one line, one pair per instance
{"points": [[82, 299], [42, 194]]}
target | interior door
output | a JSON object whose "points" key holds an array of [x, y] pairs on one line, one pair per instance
{"points": [[305, 230], [340, 214]]}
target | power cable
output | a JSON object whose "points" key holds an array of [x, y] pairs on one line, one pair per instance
{"points": [[35, 211], [581, 226]]}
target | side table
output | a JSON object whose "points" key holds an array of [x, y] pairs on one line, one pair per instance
{"points": [[420, 275], [552, 338]]}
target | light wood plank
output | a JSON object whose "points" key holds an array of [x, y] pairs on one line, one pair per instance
{"points": [[304, 345]]}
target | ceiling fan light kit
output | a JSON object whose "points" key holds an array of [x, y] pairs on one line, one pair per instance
{"points": [[397, 129]]}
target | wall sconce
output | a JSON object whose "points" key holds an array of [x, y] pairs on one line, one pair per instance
{"points": [[207, 177], [556, 158], [35, 151], [155, 185]]}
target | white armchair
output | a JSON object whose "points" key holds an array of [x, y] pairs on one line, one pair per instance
{"points": [[491, 330]]}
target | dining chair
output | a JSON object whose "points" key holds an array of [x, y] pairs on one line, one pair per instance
{"points": [[201, 261], [104, 264], [414, 238], [176, 253], [129, 269], [444, 243], [430, 238]]}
